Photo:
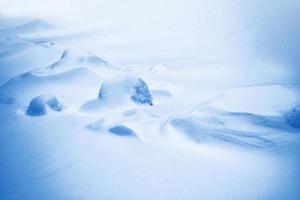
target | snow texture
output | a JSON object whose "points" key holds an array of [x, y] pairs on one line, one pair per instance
{"points": [[141, 93], [121, 130], [162, 99], [38, 106], [125, 88], [293, 117]]}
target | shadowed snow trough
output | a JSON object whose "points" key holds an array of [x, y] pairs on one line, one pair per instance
{"points": [[121, 130]]}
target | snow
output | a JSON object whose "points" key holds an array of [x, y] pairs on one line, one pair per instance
{"points": [[121, 130], [38, 105], [141, 93], [157, 99], [123, 89]]}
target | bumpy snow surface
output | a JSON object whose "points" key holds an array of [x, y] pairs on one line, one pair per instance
{"points": [[38, 105], [121, 130], [149, 100], [124, 89]]}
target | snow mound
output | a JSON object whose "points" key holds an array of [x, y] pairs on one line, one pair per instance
{"points": [[293, 118], [74, 57], [38, 105], [121, 130], [24, 86], [18, 56], [132, 88], [30, 26], [101, 125]]}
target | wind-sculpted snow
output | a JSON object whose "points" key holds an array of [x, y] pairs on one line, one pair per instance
{"points": [[175, 119], [38, 106], [194, 128], [19, 56], [75, 67], [125, 87], [286, 97], [135, 118], [242, 129], [120, 91], [30, 26], [72, 58], [23, 87]]}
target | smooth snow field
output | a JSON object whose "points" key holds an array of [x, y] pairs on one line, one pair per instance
{"points": [[149, 100]]}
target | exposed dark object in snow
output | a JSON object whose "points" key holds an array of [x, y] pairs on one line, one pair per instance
{"points": [[129, 88], [141, 93], [293, 118], [121, 130], [38, 105]]}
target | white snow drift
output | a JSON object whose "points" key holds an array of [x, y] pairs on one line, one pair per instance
{"points": [[200, 105]]}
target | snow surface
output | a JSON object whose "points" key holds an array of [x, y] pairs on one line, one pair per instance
{"points": [[293, 117], [38, 105], [121, 130], [159, 99]]}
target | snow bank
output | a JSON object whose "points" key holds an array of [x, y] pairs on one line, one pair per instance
{"points": [[125, 88], [19, 56], [74, 57], [30, 26], [38, 105]]}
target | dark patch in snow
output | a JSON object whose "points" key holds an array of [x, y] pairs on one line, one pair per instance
{"points": [[129, 88], [38, 105], [121, 130], [141, 93], [293, 118]]}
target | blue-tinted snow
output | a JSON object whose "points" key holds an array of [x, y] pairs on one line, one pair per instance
{"points": [[141, 93], [124, 88], [38, 105], [222, 78], [293, 117], [121, 130]]}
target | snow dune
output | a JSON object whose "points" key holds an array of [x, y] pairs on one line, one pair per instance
{"points": [[102, 116]]}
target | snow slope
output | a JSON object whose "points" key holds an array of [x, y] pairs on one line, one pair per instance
{"points": [[173, 104]]}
